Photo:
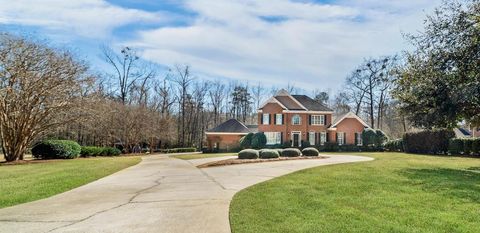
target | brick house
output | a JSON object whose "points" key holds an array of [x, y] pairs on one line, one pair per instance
{"points": [[292, 119]]}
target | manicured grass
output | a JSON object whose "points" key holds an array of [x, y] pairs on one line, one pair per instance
{"points": [[29, 182], [395, 193], [203, 156]]}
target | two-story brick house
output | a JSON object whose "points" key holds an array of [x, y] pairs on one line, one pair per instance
{"points": [[293, 119]]}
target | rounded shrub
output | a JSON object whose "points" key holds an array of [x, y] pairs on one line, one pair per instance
{"points": [[259, 140], [110, 151], [248, 154], [246, 141], [380, 137], [310, 151], [291, 152], [268, 154], [467, 146], [279, 151], [369, 137], [56, 149]]}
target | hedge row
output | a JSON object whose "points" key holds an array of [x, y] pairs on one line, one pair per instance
{"points": [[464, 146], [394, 145], [88, 151], [275, 153], [56, 149], [179, 150], [428, 141]]}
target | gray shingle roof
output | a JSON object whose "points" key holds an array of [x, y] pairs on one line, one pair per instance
{"points": [[311, 104], [288, 103], [232, 126]]}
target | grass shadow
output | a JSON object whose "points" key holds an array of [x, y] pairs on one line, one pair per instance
{"points": [[459, 183]]}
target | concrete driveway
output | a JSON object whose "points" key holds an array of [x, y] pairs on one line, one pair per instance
{"points": [[160, 194]]}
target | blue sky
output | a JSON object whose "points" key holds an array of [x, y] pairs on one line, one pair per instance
{"points": [[311, 44]]}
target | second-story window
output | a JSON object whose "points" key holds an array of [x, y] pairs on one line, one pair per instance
{"points": [[266, 119], [296, 120], [278, 119], [318, 119]]}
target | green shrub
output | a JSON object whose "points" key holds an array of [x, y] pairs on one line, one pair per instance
{"points": [[248, 154], [369, 136], [380, 137], [56, 149], [467, 146], [287, 144], [476, 146], [268, 154], [89, 151], [291, 152], [394, 145], [246, 141], [455, 146], [310, 151], [329, 147], [428, 141], [279, 151], [259, 140], [305, 144]]}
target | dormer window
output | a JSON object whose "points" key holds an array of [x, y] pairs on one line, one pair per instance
{"points": [[296, 120]]}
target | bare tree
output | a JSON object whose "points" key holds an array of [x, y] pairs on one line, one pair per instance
{"points": [[40, 88], [184, 81], [217, 95]]}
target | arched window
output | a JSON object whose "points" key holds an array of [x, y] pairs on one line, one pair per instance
{"points": [[296, 120]]}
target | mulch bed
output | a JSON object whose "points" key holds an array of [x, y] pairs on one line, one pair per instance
{"points": [[235, 161]]}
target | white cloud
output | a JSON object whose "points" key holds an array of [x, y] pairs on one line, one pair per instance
{"points": [[313, 45], [88, 18]]}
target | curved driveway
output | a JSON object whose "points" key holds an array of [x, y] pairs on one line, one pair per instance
{"points": [[160, 194]]}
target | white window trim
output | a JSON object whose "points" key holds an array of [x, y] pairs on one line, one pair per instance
{"points": [[266, 122], [359, 139], [340, 134], [299, 121], [323, 138], [310, 138], [322, 119], [273, 138], [276, 119]]}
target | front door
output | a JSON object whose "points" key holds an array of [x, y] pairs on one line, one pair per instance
{"points": [[296, 139]]}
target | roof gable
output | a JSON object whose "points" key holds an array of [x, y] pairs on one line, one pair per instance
{"points": [[230, 126], [311, 104], [348, 115]]}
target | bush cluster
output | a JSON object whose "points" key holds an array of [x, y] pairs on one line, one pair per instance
{"points": [[248, 154], [428, 141], [56, 149], [268, 154], [394, 145], [291, 152], [464, 146], [371, 137], [179, 150], [88, 151], [246, 141], [310, 151]]}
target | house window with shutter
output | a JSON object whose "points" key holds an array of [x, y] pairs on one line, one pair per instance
{"points": [[323, 138], [273, 138], [359, 139], [318, 119], [278, 119], [296, 120], [340, 138], [266, 119], [311, 138]]}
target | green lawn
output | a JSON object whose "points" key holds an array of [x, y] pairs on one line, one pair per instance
{"points": [[29, 182], [202, 156], [395, 193]]}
